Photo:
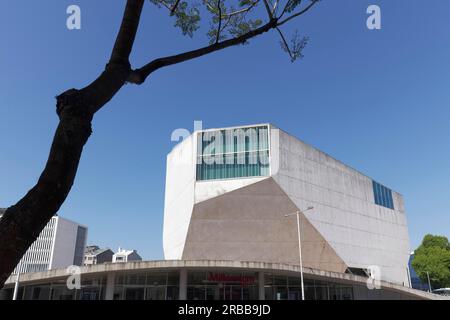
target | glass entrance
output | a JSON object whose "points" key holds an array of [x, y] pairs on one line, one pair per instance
{"points": [[231, 292]]}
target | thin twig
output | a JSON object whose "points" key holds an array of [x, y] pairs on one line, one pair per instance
{"points": [[285, 42], [298, 13]]}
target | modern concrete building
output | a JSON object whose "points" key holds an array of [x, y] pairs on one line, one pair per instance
{"points": [[123, 255], [60, 244], [226, 234], [228, 191], [96, 255]]}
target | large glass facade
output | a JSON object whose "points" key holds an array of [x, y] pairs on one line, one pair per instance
{"points": [[91, 289], [201, 285], [233, 153], [147, 286], [279, 287], [127, 286], [222, 286], [382, 195]]}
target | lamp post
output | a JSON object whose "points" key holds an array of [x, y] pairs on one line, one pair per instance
{"points": [[16, 285], [297, 213], [429, 282]]}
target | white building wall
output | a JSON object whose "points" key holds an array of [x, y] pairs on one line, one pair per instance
{"points": [[64, 244], [362, 233], [182, 192], [209, 189], [179, 197]]}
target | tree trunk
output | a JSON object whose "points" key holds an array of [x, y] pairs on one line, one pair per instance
{"points": [[22, 223]]}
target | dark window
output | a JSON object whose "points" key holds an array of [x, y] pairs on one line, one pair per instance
{"points": [[79, 246], [383, 195]]}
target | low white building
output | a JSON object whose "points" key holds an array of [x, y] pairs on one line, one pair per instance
{"points": [[123, 255], [60, 244]]}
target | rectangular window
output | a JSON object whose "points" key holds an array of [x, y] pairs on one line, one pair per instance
{"points": [[383, 195], [233, 153]]}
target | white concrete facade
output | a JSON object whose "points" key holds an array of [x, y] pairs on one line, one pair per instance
{"points": [[58, 246], [243, 218], [362, 233]]}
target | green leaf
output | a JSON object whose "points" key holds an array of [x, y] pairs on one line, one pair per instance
{"points": [[187, 18]]}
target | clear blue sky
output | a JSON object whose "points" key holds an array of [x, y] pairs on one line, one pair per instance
{"points": [[376, 100]]}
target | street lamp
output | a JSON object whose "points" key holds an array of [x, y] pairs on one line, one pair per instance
{"points": [[297, 213], [16, 285]]}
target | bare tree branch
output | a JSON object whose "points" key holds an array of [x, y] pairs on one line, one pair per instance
{"points": [[241, 10], [139, 76], [220, 21], [274, 8], [269, 12], [285, 43], [174, 8], [313, 2], [286, 6], [166, 5]]}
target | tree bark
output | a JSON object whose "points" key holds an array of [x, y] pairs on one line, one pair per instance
{"points": [[22, 223]]}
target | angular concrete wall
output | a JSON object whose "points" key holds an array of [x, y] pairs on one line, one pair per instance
{"points": [[243, 219], [362, 233], [249, 224]]}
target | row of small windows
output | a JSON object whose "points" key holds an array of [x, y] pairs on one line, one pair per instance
{"points": [[383, 195], [37, 257]]}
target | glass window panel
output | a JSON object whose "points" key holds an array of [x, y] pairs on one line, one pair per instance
{"points": [[156, 279], [172, 293], [382, 195], [118, 293], [196, 278], [390, 199], [173, 279], [375, 192], [134, 293], [156, 293], [243, 152]]}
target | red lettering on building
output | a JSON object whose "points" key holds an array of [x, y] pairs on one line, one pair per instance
{"points": [[227, 278]]}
